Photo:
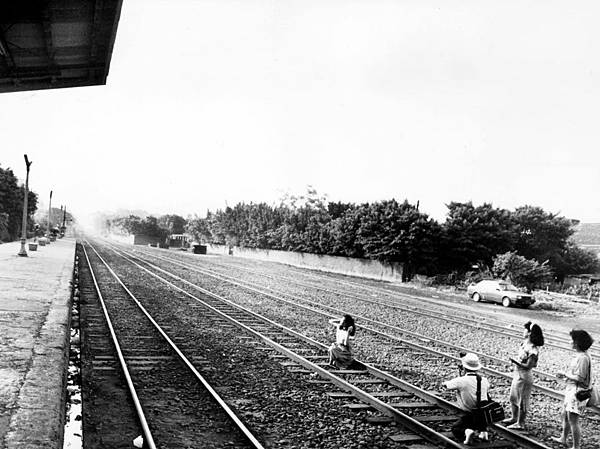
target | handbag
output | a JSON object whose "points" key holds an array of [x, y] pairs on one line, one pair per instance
{"points": [[583, 395], [488, 411]]}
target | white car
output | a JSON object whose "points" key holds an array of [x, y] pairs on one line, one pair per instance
{"points": [[499, 291]]}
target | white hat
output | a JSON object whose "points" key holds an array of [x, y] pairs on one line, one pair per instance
{"points": [[471, 362]]}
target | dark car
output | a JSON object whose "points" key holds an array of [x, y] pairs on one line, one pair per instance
{"points": [[500, 292]]}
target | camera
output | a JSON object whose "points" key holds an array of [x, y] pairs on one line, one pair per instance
{"points": [[459, 363]]}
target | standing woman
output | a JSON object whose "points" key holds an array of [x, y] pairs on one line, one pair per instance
{"points": [[340, 352], [520, 389], [577, 377]]}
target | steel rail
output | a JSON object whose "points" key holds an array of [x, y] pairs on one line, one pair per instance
{"points": [[244, 284], [548, 391], [553, 393], [551, 340], [392, 294], [149, 440], [364, 396], [186, 361], [442, 316], [468, 321], [405, 420]]}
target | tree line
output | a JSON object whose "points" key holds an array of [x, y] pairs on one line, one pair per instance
{"points": [[11, 206], [527, 243], [392, 231]]}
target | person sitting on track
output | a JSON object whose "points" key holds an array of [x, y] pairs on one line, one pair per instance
{"points": [[520, 389], [466, 397], [340, 352]]}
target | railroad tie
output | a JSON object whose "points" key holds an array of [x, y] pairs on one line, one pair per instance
{"points": [[370, 381], [349, 371], [436, 418], [358, 406], [300, 371], [379, 420], [390, 394], [405, 438], [339, 395], [287, 364], [412, 405]]}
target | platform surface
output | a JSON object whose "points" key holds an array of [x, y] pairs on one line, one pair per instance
{"points": [[34, 343]]}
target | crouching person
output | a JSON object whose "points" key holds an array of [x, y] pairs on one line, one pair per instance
{"points": [[340, 352], [466, 429]]}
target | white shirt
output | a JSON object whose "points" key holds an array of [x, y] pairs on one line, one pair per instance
{"points": [[466, 391], [342, 336]]}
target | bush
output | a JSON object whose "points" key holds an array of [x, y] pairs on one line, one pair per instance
{"points": [[520, 271]]}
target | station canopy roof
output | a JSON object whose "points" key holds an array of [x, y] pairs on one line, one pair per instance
{"points": [[47, 44]]}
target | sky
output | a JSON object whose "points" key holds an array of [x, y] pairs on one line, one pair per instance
{"points": [[211, 103]]}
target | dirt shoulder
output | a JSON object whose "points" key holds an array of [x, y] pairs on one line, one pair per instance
{"points": [[554, 311]]}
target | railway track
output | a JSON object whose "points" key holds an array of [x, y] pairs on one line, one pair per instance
{"points": [[421, 413], [540, 430], [547, 383], [453, 315], [166, 391]]}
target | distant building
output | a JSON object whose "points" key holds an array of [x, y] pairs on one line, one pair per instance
{"points": [[582, 279], [179, 241]]}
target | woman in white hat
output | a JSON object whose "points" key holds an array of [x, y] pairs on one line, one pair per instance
{"points": [[465, 429]]}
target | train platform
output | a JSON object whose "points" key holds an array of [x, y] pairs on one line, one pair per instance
{"points": [[34, 343]]}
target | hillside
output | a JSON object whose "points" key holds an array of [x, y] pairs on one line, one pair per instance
{"points": [[587, 234]]}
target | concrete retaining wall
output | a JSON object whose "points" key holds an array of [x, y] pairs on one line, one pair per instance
{"points": [[135, 239], [366, 268], [122, 238]]}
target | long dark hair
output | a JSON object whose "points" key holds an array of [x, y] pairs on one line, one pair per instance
{"points": [[536, 336], [348, 324]]}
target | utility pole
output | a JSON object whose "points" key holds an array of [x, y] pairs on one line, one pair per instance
{"points": [[63, 227], [23, 251], [49, 213]]}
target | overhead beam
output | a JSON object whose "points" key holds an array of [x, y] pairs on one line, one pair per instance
{"points": [[95, 26], [41, 84], [5, 51], [47, 30], [44, 72], [59, 52], [41, 52]]}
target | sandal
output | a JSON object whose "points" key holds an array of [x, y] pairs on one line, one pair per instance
{"points": [[515, 426], [559, 440]]}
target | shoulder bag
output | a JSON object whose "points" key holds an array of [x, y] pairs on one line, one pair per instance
{"points": [[488, 411], [589, 393]]}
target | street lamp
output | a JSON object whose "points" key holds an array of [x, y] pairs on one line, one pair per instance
{"points": [[23, 251]]}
